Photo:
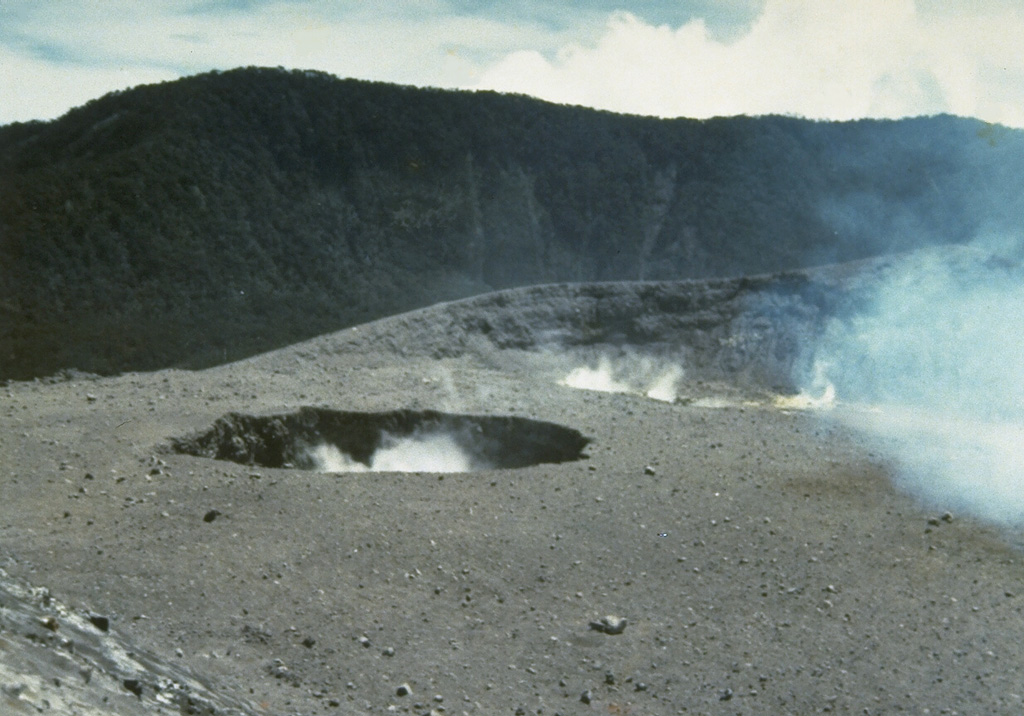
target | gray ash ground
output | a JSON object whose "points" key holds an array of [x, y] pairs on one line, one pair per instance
{"points": [[761, 558]]}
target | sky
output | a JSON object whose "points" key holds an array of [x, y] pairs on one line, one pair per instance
{"points": [[821, 59]]}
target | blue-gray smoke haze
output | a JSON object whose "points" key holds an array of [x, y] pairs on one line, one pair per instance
{"points": [[932, 366]]}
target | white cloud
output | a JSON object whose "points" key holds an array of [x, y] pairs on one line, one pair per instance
{"points": [[803, 57], [59, 54], [824, 60], [32, 88]]}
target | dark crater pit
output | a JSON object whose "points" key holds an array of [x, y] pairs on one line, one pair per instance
{"points": [[396, 441]]}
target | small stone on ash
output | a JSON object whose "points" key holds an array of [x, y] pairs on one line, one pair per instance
{"points": [[609, 624]]}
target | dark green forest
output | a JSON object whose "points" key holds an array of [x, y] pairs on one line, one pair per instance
{"points": [[214, 217]]}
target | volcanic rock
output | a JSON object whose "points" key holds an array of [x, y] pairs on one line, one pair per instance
{"points": [[609, 625], [211, 515]]}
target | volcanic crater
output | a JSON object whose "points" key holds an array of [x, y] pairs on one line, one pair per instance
{"points": [[401, 440], [758, 559]]}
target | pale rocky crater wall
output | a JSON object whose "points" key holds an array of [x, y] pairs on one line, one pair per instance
{"points": [[752, 331]]}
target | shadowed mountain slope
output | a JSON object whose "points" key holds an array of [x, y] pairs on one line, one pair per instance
{"points": [[217, 216]]}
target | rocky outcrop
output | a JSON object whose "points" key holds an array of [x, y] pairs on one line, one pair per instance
{"points": [[60, 660]]}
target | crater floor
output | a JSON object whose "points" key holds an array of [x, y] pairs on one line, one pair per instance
{"points": [[760, 557]]}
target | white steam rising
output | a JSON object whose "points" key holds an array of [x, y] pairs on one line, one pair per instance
{"points": [[937, 358], [664, 386], [640, 376], [427, 452], [601, 378], [818, 394]]}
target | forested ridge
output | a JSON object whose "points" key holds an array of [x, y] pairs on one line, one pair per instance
{"points": [[210, 218]]}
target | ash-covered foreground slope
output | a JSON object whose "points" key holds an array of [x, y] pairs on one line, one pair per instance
{"points": [[58, 660], [715, 554], [199, 221]]}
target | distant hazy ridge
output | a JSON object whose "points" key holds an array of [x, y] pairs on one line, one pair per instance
{"points": [[226, 214]]}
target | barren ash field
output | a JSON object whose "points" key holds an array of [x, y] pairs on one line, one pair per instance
{"points": [[432, 513]]}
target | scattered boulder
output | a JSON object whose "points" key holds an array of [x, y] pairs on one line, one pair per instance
{"points": [[609, 624], [100, 622]]}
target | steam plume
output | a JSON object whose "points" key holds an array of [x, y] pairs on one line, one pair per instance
{"points": [[602, 378], [629, 374], [428, 452], [935, 366]]}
